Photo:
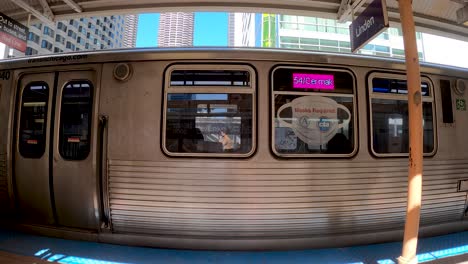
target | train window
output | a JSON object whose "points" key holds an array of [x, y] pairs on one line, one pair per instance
{"points": [[313, 112], [236, 78], [214, 116], [389, 115], [33, 120], [75, 120]]}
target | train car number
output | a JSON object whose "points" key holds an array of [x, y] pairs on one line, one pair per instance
{"points": [[4, 75]]}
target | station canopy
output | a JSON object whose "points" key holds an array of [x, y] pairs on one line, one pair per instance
{"points": [[438, 17]]}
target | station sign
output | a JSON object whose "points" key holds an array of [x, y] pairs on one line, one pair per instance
{"points": [[13, 33], [369, 24]]}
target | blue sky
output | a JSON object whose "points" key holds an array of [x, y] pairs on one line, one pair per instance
{"points": [[210, 29], [147, 33]]}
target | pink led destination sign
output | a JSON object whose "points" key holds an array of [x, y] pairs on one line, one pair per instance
{"points": [[313, 81]]}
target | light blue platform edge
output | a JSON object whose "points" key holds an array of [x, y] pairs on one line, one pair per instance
{"points": [[79, 252]]}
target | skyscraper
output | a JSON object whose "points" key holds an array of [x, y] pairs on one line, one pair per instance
{"points": [[269, 31], [93, 33], [231, 29], [175, 29], [313, 33], [130, 31], [241, 30]]}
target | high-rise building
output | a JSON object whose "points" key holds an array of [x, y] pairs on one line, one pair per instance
{"points": [[94, 33], [312, 33], [269, 31], [130, 31], [241, 29], [231, 29], [175, 29]]}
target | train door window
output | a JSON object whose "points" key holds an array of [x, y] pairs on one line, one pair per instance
{"points": [[388, 95], [33, 120], [313, 112], [75, 120], [209, 111]]}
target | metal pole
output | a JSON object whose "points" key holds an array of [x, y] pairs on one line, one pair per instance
{"points": [[415, 165]]}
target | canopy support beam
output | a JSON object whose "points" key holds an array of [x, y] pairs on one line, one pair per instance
{"points": [[344, 7], [34, 12], [347, 8], [73, 5], [47, 11], [415, 166]]}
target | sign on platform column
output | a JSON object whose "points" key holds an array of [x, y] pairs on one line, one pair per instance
{"points": [[13, 33]]}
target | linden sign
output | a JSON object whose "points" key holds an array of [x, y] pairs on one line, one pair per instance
{"points": [[370, 23]]}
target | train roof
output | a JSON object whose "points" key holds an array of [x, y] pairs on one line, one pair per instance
{"points": [[232, 54]]}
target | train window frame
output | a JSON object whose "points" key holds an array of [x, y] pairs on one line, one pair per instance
{"points": [[401, 97], [354, 115], [90, 119], [250, 89], [46, 121]]}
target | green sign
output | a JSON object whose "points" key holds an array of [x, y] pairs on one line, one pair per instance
{"points": [[461, 104]]}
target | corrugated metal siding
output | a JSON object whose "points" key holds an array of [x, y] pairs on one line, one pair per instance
{"points": [[284, 198], [3, 182]]}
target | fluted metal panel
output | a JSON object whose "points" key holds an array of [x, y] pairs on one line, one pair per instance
{"points": [[276, 199]]}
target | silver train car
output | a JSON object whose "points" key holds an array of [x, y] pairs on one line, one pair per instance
{"points": [[239, 149]]}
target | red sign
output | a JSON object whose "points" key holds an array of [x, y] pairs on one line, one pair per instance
{"points": [[31, 141], [73, 140], [12, 33], [12, 42]]}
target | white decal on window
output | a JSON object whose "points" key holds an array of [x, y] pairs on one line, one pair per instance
{"points": [[314, 118]]}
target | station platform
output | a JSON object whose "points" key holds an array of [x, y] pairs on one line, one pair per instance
{"points": [[21, 248]]}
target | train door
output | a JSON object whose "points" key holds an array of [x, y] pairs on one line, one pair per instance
{"points": [[31, 152], [57, 184]]}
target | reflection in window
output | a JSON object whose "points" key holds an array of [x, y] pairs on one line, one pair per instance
{"points": [[209, 123], [390, 126], [75, 120], [33, 120], [309, 120], [390, 123]]}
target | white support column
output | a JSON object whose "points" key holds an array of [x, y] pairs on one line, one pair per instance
{"points": [[415, 164], [73, 5], [34, 12]]}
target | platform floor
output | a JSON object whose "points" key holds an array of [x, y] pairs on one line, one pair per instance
{"points": [[10, 258], [451, 248]]}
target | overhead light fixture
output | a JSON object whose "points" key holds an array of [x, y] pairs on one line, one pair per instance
{"points": [[462, 15]]}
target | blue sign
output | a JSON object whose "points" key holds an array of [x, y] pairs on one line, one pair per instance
{"points": [[324, 124], [370, 23]]}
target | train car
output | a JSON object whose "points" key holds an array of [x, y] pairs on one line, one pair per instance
{"points": [[240, 149]]}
